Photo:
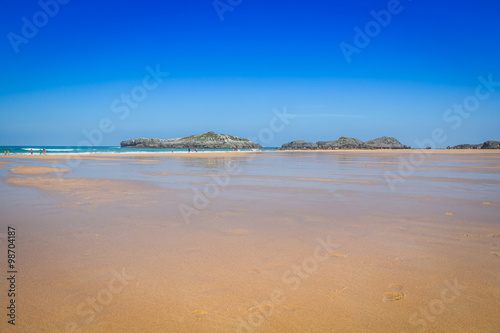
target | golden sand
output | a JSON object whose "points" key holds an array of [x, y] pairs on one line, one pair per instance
{"points": [[84, 191], [485, 153], [116, 255], [118, 157], [36, 170]]}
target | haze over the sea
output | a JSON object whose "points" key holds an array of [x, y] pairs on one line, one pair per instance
{"points": [[66, 67]]}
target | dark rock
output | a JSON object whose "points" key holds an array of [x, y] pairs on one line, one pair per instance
{"points": [[208, 140], [342, 143], [491, 145], [347, 143], [299, 145], [467, 146], [385, 143], [486, 145]]}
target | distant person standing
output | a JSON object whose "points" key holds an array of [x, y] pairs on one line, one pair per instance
{"points": [[8, 152], [5, 151], [172, 150], [44, 151], [31, 150], [40, 152], [189, 150]]}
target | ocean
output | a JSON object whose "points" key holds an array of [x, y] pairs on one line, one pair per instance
{"points": [[74, 150]]}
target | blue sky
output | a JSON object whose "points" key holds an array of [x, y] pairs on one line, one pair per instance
{"points": [[228, 75]]}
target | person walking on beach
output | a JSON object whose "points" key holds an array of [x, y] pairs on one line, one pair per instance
{"points": [[172, 150], [5, 151], [40, 152], [31, 150], [44, 152], [189, 150]]}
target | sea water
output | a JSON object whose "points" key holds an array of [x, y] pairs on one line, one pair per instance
{"points": [[72, 150]]}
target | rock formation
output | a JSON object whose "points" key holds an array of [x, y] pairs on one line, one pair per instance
{"points": [[209, 140], [491, 145], [384, 142], [486, 145], [299, 145], [342, 143], [467, 146], [346, 143]]}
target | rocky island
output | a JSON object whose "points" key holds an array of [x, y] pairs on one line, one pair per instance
{"points": [[299, 145], [486, 145], [346, 143], [342, 143], [209, 140]]}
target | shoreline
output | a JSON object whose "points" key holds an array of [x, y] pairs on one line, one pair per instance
{"points": [[174, 224], [252, 153]]}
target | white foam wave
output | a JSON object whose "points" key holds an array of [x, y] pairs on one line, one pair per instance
{"points": [[56, 149]]}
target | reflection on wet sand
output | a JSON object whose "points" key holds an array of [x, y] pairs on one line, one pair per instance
{"points": [[289, 242]]}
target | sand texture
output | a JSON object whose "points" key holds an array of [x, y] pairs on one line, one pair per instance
{"points": [[254, 242]]}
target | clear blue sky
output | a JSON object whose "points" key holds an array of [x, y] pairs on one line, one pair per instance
{"points": [[228, 75]]}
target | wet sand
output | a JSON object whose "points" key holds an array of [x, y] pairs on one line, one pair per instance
{"points": [[255, 242], [209, 154], [36, 170]]}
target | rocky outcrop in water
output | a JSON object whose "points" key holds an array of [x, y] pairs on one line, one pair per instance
{"points": [[342, 143], [346, 143], [384, 143], [467, 146], [208, 140], [491, 145], [486, 145], [299, 145]]}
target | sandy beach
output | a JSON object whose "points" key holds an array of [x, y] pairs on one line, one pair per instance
{"points": [[233, 166], [469, 152], [280, 241]]}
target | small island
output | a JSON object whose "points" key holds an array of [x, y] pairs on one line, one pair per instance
{"points": [[346, 143], [209, 140], [485, 145]]}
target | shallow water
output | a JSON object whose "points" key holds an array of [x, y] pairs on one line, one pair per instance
{"points": [[99, 150], [107, 248]]}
